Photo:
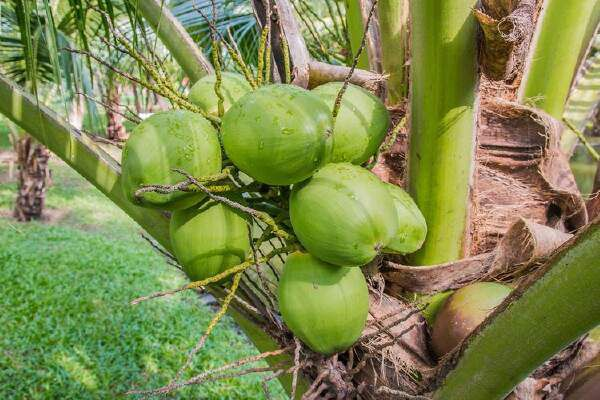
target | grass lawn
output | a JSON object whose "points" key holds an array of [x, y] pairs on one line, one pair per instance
{"points": [[68, 331]]}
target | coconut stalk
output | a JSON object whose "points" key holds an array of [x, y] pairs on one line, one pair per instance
{"points": [[442, 110], [174, 36], [82, 154], [393, 29], [294, 50], [550, 310], [551, 63]]}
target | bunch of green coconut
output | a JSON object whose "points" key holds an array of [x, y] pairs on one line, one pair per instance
{"points": [[281, 136]]}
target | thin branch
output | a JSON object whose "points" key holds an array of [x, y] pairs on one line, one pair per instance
{"points": [[101, 139], [178, 100], [385, 328], [338, 100], [583, 139], [133, 118], [233, 270], [200, 377], [159, 248], [154, 70], [285, 48], [264, 36], [261, 216], [183, 186], [399, 394], [394, 135], [235, 55], [216, 57], [296, 370], [215, 320]]}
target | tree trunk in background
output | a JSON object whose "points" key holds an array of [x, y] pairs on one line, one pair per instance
{"points": [[76, 113], [114, 126], [33, 178]]}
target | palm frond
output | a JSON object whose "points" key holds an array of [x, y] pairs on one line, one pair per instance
{"points": [[235, 19]]}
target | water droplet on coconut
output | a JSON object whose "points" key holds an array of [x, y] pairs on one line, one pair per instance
{"points": [[261, 145]]}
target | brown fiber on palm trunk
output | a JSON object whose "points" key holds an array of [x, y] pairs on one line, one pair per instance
{"points": [[394, 347], [507, 27], [520, 173]]}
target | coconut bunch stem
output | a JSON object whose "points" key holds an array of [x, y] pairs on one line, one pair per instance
{"points": [[250, 261], [235, 55], [264, 56], [161, 83]]}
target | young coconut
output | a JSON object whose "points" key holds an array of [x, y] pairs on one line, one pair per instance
{"points": [[324, 305], [209, 238], [233, 87], [343, 215], [463, 311], [167, 140], [361, 124], [278, 134], [412, 227]]}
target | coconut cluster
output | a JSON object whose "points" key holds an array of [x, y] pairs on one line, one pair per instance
{"points": [[282, 136]]}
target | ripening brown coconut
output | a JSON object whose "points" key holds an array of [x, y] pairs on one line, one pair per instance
{"points": [[463, 311]]}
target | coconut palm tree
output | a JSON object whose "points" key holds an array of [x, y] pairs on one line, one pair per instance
{"points": [[477, 93]]}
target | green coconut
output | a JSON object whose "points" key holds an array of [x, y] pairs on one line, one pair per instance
{"points": [[278, 134], [463, 311], [324, 305], [167, 140], [361, 124], [412, 227], [343, 214], [209, 238], [233, 87]]}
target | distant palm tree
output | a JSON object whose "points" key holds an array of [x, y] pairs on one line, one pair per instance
{"points": [[27, 57]]}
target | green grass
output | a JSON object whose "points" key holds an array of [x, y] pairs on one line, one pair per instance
{"points": [[68, 330]]}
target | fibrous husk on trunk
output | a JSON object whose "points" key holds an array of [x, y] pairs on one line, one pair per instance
{"points": [[396, 342], [507, 27], [520, 172], [33, 179], [391, 163]]}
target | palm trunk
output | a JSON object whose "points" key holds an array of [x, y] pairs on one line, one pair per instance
{"points": [[33, 179]]}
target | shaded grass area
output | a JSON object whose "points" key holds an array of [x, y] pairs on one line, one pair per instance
{"points": [[68, 330]]}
